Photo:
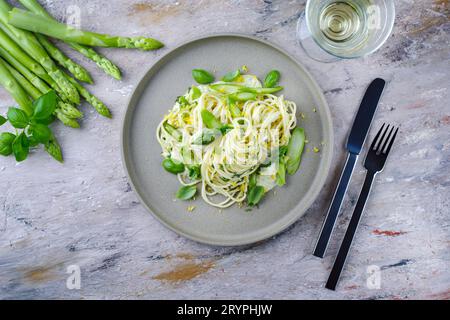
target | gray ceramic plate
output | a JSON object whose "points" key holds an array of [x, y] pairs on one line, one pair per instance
{"points": [[155, 95]]}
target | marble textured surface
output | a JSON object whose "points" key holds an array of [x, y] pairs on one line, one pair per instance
{"points": [[84, 213]]}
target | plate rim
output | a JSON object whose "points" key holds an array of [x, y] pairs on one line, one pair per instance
{"points": [[262, 235]]}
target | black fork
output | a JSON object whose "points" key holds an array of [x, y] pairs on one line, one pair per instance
{"points": [[375, 161]]}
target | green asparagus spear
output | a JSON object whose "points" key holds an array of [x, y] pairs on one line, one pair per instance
{"points": [[36, 23], [13, 87], [91, 99], [101, 61], [24, 83], [31, 45], [74, 68], [69, 110], [52, 147], [66, 120]]}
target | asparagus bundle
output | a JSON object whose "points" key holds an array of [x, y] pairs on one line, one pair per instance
{"points": [[28, 42], [31, 70]]}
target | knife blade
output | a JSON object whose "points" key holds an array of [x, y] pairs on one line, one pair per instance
{"points": [[363, 119], [355, 142]]}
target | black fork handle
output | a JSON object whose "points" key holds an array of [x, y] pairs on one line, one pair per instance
{"points": [[350, 233]]}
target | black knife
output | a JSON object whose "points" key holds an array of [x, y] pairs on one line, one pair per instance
{"points": [[355, 142]]}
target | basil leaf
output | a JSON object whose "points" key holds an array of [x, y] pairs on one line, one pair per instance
{"points": [[41, 133], [33, 142], [255, 195], [206, 136], [6, 141], [231, 76], [272, 79], [225, 129], [202, 76], [2, 120], [210, 121], [252, 181], [182, 101], [46, 121], [196, 93], [172, 166], [17, 117], [186, 192], [21, 147], [45, 105], [194, 172]]}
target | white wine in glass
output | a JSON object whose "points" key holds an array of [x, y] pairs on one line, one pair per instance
{"points": [[330, 29]]}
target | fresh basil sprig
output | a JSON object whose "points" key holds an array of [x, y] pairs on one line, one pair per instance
{"points": [[34, 127]]}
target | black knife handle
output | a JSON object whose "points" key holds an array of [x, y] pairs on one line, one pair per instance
{"points": [[335, 206], [350, 233]]}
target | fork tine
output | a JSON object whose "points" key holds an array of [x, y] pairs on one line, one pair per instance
{"points": [[386, 142], [392, 142], [379, 144], [372, 146]]}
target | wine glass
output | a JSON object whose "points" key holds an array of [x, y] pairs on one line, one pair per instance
{"points": [[329, 30]]}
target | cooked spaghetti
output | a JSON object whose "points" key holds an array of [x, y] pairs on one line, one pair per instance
{"points": [[228, 137]]}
